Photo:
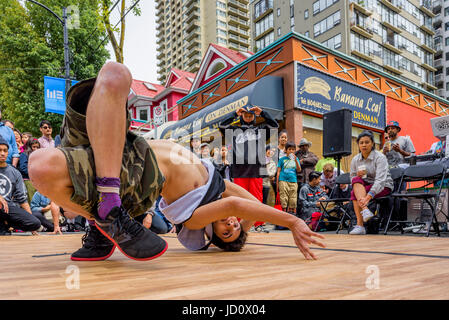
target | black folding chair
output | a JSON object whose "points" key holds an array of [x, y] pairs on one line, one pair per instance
{"points": [[339, 203], [396, 174], [432, 173]]}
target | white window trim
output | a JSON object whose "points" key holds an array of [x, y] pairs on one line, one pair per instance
{"points": [[138, 109], [212, 65]]}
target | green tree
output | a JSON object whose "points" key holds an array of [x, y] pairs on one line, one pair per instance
{"points": [[31, 47], [116, 33]]}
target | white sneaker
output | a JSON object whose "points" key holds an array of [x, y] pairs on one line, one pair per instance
{"points": [[367, 214], [358, 230]]}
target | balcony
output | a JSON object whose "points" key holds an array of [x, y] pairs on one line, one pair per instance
{"points": [[392, 69], [191, 51], [160, 55], [159, 4], [441, 93], [193, 60], [194, 43], [427, 29], [192, 25], [361, 7], [428, 48], [392, 47], [238, 22], [238, 13], [427, 9], [428, 67], [392, 27], [439, 78], [190, 5], [369, 56], [362, 30], [392, 6], [437, 21], [438, 63], [436, 5], [438, 48], [193, 34], [243, 41]]}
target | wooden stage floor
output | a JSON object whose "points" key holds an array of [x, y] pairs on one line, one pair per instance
{"points": [[270, 267]]}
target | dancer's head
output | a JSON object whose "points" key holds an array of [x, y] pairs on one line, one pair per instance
{"points": [[228, 234]]}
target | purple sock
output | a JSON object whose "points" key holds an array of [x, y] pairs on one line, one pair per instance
{"points": [[109, 189]]}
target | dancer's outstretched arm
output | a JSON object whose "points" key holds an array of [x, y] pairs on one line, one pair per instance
{"points": [[250, 210]]}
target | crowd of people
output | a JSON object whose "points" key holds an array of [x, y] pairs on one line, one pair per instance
{"points": [[295, 180], [22, 207], [289, 177]]}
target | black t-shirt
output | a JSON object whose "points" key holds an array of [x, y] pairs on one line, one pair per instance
{"points": [[248, 146]]}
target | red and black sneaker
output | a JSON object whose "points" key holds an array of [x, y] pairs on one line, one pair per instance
{"points": [[96, 246], [131, 237]]}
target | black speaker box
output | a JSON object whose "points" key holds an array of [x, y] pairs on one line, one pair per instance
{"points": [[337, 133]]}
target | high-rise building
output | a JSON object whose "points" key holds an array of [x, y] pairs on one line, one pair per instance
{"points": [[441, 40], [395, 36], [185, 28]]}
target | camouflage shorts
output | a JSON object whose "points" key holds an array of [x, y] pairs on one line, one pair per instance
{"points": [[141, 179]]}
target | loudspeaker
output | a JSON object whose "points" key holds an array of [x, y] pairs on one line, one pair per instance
{"points": [[337, 133]]}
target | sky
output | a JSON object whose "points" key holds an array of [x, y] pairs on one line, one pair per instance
{"points": [[140, 42]]}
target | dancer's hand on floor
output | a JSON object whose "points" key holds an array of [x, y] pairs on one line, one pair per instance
{"points": [[303, 237]]}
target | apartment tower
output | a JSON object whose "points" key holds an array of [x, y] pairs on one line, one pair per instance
{"points": [[185, 28], [395, 36]]}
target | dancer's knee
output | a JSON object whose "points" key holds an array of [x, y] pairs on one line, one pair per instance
{"points": [[45, 168], [114, 77]]}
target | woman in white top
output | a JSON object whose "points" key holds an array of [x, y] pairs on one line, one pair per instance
{"points": [[370, 178]]}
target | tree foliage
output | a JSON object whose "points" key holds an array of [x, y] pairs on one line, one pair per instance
{"points": [[116, 32], [31, 47]]}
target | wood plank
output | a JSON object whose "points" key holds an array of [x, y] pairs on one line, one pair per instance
{"points": [[270, 267]]}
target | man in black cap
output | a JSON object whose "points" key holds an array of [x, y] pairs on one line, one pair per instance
{"points": [[15, 211], [396, 148]]}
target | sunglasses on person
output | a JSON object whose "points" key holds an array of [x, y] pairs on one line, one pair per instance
{"points": [[46, 127]]}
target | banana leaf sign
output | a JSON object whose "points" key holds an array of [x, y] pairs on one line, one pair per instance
{"points": [[320, 93]]}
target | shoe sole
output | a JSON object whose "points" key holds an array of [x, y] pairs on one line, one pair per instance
{"points": [[137, 259], [94, 259]]}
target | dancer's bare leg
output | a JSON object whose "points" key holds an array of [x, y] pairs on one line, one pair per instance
{"points": [[50, 176], [106, 118]]}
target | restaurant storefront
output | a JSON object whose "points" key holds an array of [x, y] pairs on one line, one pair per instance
{"points": [[297, 80]]}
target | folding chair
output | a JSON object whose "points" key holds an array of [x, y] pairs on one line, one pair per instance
{"points": [[396, 174], [432, 173], [339, 203]]}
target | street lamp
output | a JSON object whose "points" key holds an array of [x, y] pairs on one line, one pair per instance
{"points": [[63, 20]]}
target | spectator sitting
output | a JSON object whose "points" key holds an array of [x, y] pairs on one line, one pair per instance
{"points": [[370, 178], [46, 140], [397, 147], [15, 210], [286, 179], [30, 146], [47, 212], [155, 220], [13, 152], [320, 164], [329, 175], [18, 137], [309, 195]]}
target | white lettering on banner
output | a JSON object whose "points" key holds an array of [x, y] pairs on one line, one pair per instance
{"points": [[55, 94]]}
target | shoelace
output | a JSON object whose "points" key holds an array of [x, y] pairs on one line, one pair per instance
{"points": [[90, 241], [125, 222]]}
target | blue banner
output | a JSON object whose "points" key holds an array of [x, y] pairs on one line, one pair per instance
{"points": [[320, 93], [54, 94]]}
